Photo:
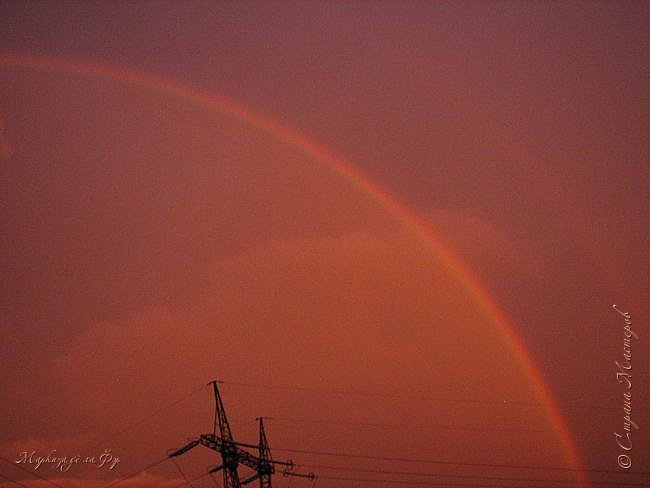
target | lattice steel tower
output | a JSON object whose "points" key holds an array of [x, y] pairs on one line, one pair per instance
{"points": [[233, 454]]}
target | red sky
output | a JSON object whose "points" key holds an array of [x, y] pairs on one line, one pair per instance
{"points": [[150, 244]]}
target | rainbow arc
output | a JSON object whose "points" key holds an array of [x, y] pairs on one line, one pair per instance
{"points": [[347, 171]]}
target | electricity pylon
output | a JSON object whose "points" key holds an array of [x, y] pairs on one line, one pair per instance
{"points": [[233, 454], [265, 469], [228, 449]]}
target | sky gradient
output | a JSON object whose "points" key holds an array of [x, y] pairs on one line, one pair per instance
{"points": [[396, 229]]}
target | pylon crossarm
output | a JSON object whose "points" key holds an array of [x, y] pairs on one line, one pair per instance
{"points": [[253, 462], [283, 463], [310, 476], [243, 457], [184, 449]]}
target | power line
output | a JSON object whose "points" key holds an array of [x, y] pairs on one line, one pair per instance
{"points": [[381, 458], [181, 472], [455, 463], [503, 402], [433, 484], [421, 426], [130, 427], [414, 482], [32, 473], [458, 476], [407, 473], [152, 465]]}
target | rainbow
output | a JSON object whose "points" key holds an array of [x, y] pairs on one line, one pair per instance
{"points": [[347, 171]]}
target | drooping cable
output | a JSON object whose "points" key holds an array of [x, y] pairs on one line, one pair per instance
{"points": [[181, 472], [32, 473]]}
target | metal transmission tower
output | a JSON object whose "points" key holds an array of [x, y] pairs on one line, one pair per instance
{"points": [[228, 449], [232, 454], [265, 469]]}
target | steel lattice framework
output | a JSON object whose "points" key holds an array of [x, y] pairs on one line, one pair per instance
{"points": [[233, 453]]}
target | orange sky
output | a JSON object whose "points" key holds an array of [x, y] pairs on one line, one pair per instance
{"points": [[151, 244]]}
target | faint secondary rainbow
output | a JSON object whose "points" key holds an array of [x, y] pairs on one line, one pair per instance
{"points": [[346, 171]]}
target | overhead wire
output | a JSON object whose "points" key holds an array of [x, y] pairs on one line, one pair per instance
{"points": [[405, 482], [452, 463], [399, 473], [422, 426], [330, 391], [447, 485], [132, 475], [32, 473], [130, 427], [504, 402], [360, 456], [180, 485], [462, 476], [409, 473], [213, 480], [359, 393], [181, 471]]}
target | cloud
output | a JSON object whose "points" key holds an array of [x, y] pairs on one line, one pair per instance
{"points": [[356, 312]]}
